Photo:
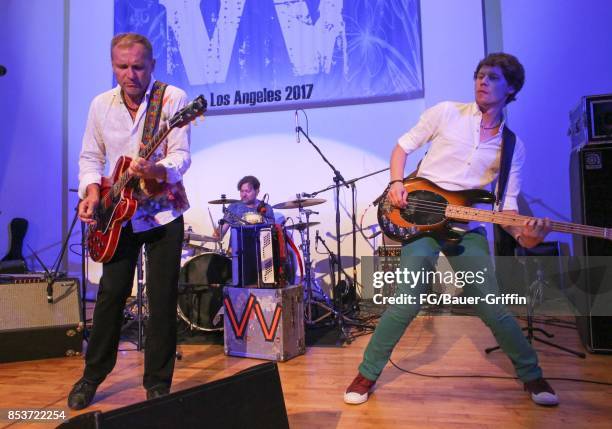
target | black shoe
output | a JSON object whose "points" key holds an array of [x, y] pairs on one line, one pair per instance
{"points": [[82, 394], [157, 391]]}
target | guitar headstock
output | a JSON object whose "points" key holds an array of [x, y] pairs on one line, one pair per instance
{"points": [[188, 113]]}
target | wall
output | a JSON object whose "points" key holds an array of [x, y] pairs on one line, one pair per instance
{"points": [[565, 48], [31, 135]]}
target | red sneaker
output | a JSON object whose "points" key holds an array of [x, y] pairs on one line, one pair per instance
{"points": [[359, 390], [541, 392]]}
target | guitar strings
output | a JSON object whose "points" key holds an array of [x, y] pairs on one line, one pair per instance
{"points": [[430, 207], [433, 207]]}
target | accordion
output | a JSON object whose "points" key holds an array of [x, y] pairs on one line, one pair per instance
{"points": [[260, 257]]}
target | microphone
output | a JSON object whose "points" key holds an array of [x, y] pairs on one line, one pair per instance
{"points": [[375, 234], [3, 72], [261, 207], [50, 291], [49, 279], [317, 240], [297, 127]]}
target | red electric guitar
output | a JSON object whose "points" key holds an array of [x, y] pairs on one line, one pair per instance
{"points": [[117, 204], [430, 209]]}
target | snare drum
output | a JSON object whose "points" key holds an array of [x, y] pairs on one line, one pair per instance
{"points": [[200, 298]]}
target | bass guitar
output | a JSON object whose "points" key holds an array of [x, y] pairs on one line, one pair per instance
{"points": [[431, 209], [117, 202]]}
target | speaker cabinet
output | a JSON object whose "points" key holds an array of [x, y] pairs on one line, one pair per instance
{"points": [[32, 328], [591, 196], [250, 399]]}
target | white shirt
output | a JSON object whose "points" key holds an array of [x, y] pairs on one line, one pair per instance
{"points": [[111, 133], [457, 159]]}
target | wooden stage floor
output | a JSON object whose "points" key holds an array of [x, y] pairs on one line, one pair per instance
{"points": [[313, 384]]}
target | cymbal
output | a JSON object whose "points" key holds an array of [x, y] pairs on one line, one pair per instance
{"points": [[197, 237], [299, 203], [223, 201], [301, 225]]}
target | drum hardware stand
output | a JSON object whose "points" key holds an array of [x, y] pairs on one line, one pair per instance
{"points": [[140, 263], [333, 261], [534, 296], [308, 278], [84, 281], [139, 302], [218, 244]]}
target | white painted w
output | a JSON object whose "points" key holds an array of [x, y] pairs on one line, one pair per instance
{"points": [[310, 46]]}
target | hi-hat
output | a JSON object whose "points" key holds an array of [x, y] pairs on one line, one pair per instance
{"points": [[301, 226], [223, 201], [198, 237], [299, 203]]}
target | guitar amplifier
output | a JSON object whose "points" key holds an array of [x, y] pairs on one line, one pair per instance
{"points": [[386, 258], [32, 328], [590, 178], [591, 121]]}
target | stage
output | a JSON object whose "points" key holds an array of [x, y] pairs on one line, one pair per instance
{"points": [[313, 384]]}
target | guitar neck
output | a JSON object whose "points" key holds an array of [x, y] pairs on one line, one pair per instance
{"points": [[463, 213]]}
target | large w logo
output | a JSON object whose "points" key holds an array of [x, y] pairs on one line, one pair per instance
{"points": [[239, 325], [207, 54]]}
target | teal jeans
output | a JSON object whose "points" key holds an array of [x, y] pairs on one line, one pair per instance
{"points": [[470, 255]]}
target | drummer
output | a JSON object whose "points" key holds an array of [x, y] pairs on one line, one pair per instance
{"points": [[249, 210]]}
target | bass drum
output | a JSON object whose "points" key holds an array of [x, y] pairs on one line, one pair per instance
{"points": [[200, 298]]}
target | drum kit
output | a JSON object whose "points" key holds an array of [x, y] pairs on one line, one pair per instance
{"points": [[206, 270]]}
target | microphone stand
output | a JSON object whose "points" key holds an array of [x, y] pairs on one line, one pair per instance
{"points": [[353, 215], [535, 290], [52, 275], [83, 270], [338, 179]]}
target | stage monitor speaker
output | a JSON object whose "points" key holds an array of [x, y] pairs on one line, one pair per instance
{"points": [[591, 197], [250, 399], [32, 328]]}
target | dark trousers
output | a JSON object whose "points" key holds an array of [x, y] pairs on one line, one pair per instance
{"points": [[163, 252]]}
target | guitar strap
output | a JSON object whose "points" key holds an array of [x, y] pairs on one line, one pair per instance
{"points": [[153, 114], [505, 162]]}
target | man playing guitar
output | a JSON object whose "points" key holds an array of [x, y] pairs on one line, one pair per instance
{"points": [[465, 152], [117, 124]]}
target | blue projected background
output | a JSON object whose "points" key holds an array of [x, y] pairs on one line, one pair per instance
{"points": [[249, 55]]}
